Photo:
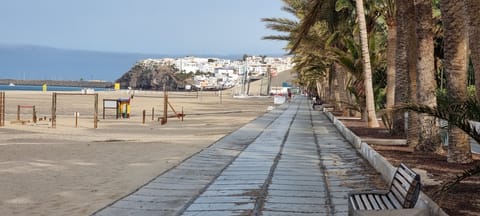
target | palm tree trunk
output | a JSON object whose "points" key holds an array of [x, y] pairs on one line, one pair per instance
{"points": [[340, 88], [405, 75], [429, 138], [455, 62], [413, 136], [405, 15], [391, 49], [336, 86], [370, 104], [472, 7]]}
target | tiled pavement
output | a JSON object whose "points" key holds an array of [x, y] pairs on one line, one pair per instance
{"points": [[291, 161]]}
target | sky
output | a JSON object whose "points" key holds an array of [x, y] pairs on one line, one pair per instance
{"points": [[174, 27]]}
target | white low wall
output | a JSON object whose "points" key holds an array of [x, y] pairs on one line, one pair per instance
{"points": [[381, 164]]}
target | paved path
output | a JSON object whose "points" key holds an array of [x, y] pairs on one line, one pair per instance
{"points": [[291, 161]]}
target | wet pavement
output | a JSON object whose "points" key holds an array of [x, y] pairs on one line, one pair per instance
{"points": [[290, 161]]}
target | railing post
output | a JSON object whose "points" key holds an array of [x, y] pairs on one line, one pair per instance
{"points": [[18, 113], [143, 117], [2, 109]]}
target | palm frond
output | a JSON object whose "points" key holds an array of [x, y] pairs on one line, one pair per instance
{"points": [[277, 37]]}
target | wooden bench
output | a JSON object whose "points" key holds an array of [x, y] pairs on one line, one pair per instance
{"points": [[402, 194]]}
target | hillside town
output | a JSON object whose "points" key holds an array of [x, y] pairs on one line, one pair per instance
{"points": [[216, 73]]}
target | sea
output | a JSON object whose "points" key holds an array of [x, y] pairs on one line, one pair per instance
{"points": [[49, 88]]}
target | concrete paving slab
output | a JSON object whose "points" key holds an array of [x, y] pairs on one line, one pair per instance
{"points": [[160, 192], [224, 199], [297, 200], [113, 211], [298, 188], [220, 206], [283, 213], [291, 207], [294, 193], [151, 206], [217, 213]]}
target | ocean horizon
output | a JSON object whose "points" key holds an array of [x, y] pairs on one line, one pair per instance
{"points": [[30, 62], [49, 88]]}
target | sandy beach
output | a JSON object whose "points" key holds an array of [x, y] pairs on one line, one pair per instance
{"points": [[71, 170]]}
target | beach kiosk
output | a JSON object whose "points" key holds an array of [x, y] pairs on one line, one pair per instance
{"points": [[123, 107]]}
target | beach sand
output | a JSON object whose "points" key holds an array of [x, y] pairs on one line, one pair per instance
{"points": [[76, 171]]}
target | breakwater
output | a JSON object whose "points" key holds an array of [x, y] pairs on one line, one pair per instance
{"points": [[69, 83]]}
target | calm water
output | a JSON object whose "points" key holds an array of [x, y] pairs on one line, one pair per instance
{"points": [[39, 88]]}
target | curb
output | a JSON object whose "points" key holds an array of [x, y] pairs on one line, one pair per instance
{"points": [[381, 164]]}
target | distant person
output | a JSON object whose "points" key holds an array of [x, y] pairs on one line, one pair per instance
{"points": [[317, 101], [289, 95]]}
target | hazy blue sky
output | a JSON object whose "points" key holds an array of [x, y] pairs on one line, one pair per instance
{"points": [[145, 26]]}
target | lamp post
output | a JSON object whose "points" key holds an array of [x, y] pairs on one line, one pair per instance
{"points": [[245, 74]]}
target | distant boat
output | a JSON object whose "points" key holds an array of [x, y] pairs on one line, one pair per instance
{"points": [[11, 84]]}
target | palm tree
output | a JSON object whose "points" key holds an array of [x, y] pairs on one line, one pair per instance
{"points": [[429, 138], [405, 65], [367, 67], [455, 52], [404, 14], [388, 8], [472, 7]]}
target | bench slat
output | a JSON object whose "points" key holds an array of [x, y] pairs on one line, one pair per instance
{"points": [[399, 192], [358, 202], [365, 201], [387, 202], [379, 200], [394, 200], [401, 186], [373, 201], [407, 174]]}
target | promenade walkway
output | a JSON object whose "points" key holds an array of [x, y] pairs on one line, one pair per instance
{"points": [[290, 161]]}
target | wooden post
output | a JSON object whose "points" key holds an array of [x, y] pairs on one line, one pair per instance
{"points": [[103, 113], [34, 115], [95, 112], [182, 113], [54, 110], [76, 118], [143, 119], [18, 113], [153, 113], [165, 105], [2, 109]]}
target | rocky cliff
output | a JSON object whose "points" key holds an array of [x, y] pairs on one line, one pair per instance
{"points": [[151, 75]]}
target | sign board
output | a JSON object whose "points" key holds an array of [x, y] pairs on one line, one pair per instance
{"points": [[117, 86], [110, 104]]}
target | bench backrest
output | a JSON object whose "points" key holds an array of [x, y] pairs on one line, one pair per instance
{"points": [[405, 187]]}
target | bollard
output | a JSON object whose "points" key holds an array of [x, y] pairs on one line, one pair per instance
{"points": [[18, 113], [76, 114], [2, 109], [153, 113], [34, 115], [144, 113]]}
